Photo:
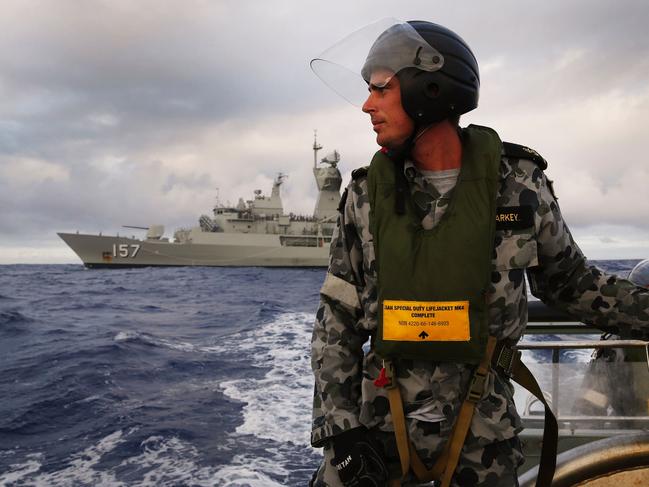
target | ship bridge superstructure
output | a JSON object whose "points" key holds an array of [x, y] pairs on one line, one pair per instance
{"points": [[328, 179], [265, 214]]}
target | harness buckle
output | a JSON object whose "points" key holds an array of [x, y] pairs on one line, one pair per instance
{"points": [[506, 359], [389, 373], [477, 386]]}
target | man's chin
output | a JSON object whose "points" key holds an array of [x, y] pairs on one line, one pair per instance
{"points": [[385, 142], [390, 144]]}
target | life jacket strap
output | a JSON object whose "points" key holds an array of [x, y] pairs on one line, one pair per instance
{"points": [[508, 363], [398, 418], [503, 359], [447, 461]]}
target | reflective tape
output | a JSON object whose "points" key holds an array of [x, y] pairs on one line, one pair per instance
{"points": [[341, 290]]}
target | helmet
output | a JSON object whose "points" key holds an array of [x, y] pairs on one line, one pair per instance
{"points": [[437, 71], [639, 275], [432, 96]]}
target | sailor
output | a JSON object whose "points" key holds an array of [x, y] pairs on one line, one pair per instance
{"points": [[445, 221]]}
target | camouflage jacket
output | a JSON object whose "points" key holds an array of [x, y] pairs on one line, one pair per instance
{"points": [[345, 368]]}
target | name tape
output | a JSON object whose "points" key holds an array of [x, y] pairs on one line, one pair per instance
{"points": [[514, 217]]}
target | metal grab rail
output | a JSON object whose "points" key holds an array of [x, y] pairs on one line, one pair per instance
{"points": [[575, 428], [557, 346], [582, 344]]}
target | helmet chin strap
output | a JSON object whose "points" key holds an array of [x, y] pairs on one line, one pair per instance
{"points": [[400, 154], [421, 132]]}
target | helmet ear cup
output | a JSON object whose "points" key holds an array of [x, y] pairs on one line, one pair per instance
{"points": [[422, 96], [432, 96], [432, 90]]}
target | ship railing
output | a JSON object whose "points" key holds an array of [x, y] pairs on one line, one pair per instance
{"points": [[593, 395], [304, 240], [301, 218]]}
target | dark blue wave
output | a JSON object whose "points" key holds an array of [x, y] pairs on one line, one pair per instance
{"points": [[128, 371], [12, 317]]}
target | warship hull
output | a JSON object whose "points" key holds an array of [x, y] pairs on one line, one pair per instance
{"points": [[213, 249]]}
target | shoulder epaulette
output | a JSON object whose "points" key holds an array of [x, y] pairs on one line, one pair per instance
{"points": [[517, 151], [360, 172], [356, 175]]}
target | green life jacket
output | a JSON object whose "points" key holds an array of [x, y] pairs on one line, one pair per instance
{"points": [[432, 283]]}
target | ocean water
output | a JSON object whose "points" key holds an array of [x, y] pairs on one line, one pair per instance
{"points": [[158, 376]]}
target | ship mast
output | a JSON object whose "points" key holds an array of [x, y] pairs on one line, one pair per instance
{"points": [[316, 148]]}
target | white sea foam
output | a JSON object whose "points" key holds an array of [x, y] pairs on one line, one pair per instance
{"points": [[278, 405], [172, 461], [277, 408], [21, 471], [246, 470], [131, 335], [169, 461], [125, 336], [162, 462], [80, 470]]}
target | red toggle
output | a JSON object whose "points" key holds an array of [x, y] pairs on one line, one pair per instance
{"points": [[382, 379]]}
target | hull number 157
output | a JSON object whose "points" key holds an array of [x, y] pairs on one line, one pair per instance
{"points": [[125, 250]]}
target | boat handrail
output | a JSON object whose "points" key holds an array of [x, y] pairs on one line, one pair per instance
{"points": [[556, 347], [572, 344], [545, 320], [580, 419]]}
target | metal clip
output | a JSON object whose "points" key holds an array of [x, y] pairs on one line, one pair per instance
{"points": [[390, 374], [507, 357]]}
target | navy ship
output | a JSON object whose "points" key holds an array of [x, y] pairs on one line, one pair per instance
{"points": [[256, 232]]}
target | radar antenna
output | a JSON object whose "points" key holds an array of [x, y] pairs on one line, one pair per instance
{"points": [[316, 148], [332, 159], [217, 201]]}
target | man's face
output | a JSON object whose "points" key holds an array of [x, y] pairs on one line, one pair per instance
{"points": [[391, 123]]}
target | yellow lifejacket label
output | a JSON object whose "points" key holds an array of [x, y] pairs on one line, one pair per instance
{"points": [[426, 321]]}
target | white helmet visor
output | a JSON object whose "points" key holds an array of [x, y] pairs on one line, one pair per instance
{"points": [[374, 54]]}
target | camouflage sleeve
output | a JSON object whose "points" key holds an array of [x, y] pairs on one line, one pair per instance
{"points": [[336, 347], [564, 278]]}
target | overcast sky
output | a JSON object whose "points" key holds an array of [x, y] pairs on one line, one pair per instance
{"points": [[133, 112]]}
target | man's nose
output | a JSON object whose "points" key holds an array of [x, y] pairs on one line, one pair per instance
{"points": [[368, 106]]}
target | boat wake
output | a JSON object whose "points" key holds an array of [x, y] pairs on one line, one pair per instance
{"points": [[268, 446]]}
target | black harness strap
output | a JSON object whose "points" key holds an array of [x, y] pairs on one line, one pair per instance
{"points": [[506, 360]]}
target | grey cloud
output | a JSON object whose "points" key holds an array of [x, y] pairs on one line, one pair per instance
{"points": [[137, 82], [197, 181]]}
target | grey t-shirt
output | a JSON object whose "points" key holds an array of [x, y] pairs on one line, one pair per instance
{"points": [[442, 184]]}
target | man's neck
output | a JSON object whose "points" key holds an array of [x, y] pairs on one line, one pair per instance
{"points": [[438, 147]]}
